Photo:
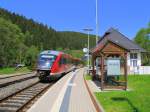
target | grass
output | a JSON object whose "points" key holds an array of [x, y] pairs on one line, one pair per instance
{"points": [[88, 77], [137, 99], [8, 71]]}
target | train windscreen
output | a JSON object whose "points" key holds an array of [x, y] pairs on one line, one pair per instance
{"points": [[45, 61]]}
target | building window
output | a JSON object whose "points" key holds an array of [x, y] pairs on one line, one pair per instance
{"points": [[133, 59], [133, 56], [133, 63]]}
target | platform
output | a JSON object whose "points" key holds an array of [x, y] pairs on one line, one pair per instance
{"points": [[69, 94]]}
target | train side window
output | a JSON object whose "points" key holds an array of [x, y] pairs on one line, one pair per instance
{"points": [[63, 60]]}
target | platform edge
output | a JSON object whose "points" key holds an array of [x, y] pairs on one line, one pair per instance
{"points": [[97, 106]]}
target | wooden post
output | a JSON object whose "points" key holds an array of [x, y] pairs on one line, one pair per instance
{"points": [[125, 70], [102, 73], [93, 67]]}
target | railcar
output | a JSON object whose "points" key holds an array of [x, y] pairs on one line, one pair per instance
{"points": [[53, 64]]}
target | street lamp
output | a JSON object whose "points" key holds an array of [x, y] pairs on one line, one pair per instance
{"points": [[88, 31], [96, 18], [96, 11]]}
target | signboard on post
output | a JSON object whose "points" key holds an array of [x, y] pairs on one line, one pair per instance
{"points": [[113, 67]]}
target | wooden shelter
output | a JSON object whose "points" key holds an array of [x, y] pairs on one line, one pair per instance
{"points": [[105, 50]]}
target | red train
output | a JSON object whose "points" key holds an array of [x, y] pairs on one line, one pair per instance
{"points": [[53, 64]]}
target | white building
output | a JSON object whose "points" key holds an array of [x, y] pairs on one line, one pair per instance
{"points": [[134, 51]]}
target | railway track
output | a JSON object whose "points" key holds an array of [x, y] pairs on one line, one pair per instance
{"points": [[20, 100], [15, 79], [6, 77]]}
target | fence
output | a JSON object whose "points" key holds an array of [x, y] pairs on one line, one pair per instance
{"points": [[139, 70], [144, 70]]}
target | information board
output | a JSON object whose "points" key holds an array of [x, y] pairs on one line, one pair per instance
{"points": [[113, 67]]}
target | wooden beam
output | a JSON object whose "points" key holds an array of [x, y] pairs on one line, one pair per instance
{"points": [[102, 72], [125, 70], [93, 68], [119, 53]]}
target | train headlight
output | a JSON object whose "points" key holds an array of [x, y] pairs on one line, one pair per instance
{"points": [[47, 64]]}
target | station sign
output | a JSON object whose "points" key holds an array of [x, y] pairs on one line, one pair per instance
{"points": [[113, 67]]}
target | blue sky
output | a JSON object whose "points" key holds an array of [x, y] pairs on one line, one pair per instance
{"points": [[128, 16]]}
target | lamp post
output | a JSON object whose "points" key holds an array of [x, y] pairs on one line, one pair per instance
{"points": [[96, 18], [88, 31], [96, 11]]}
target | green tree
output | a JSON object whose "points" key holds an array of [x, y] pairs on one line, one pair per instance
{"points": [[143, 39], [11, 39], [19, 35], [31, 56]]}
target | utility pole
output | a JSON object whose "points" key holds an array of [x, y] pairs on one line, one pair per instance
{"points": [[96, 11], [88, 31]]}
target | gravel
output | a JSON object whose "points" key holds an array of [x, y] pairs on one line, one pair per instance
{"points": [[6, 91], [11, 79], [19, 100]]}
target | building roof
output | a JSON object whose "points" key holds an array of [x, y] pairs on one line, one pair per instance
{"points": [[121, 40]]}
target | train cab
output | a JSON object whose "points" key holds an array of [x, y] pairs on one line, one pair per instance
{"points": [[53, 64]]}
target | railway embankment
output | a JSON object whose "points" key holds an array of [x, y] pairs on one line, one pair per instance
{"points": [[11, 71]]}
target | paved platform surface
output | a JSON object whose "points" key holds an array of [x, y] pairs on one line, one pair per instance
{"points": [[94, 86], [68, 95]]}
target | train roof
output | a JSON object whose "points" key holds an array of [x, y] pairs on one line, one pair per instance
{"points": [[57, 53], [51, 52]]}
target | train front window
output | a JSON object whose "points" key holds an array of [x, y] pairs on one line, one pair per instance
{"points": [[47, 60], [47, 57]]}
